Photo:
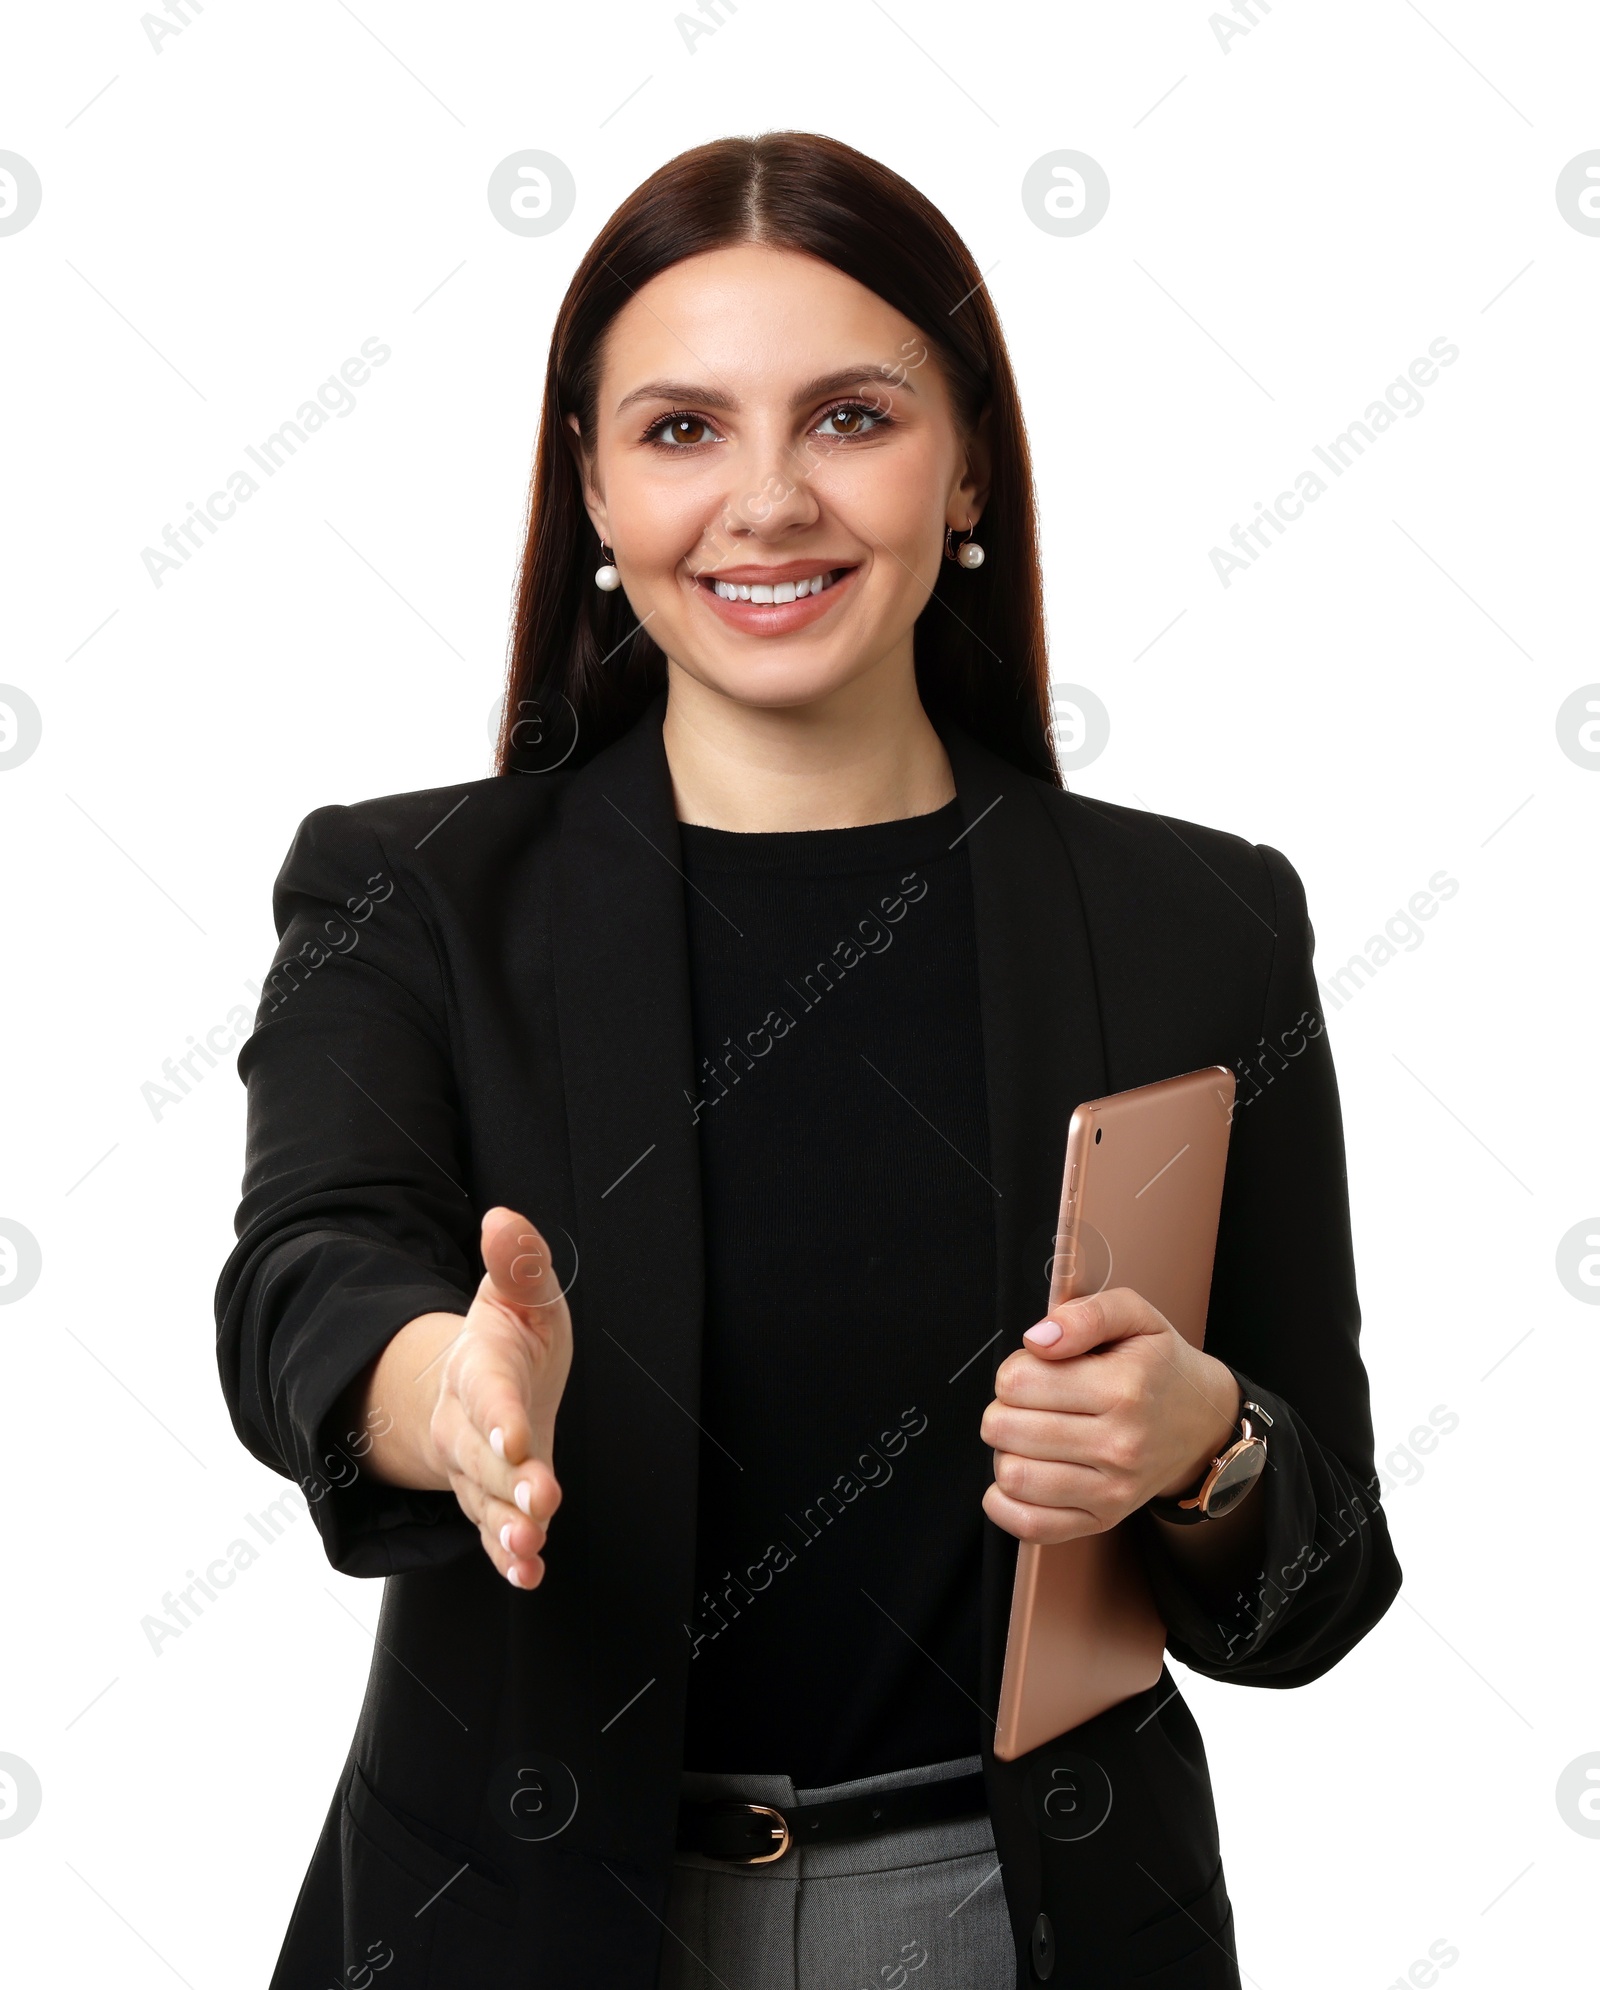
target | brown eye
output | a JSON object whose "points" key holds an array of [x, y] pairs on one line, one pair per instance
{"points": [[683, 431], [848, 421]]}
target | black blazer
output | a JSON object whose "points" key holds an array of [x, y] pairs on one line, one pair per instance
{"points": [[481, 997]]}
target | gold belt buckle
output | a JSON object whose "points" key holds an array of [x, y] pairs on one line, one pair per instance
{"points": [[780, 1831]]}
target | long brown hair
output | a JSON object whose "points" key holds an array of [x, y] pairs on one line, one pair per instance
{"points": [[581, 670]]}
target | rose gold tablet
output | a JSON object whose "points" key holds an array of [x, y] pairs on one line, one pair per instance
{"points": [[1140, 1197]]}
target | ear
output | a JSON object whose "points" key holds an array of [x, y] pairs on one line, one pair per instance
{"points": [[593, 498], [969, 493]]}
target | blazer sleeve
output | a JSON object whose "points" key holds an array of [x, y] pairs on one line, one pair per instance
{"points": [[1284, 1316], [354, 1215]]}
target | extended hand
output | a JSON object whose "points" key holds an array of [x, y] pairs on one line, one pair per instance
{"points": [[1105, 1406], [492, 1428]]}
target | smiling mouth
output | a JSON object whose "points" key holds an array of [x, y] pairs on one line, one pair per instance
{"points": [[777, 593]]}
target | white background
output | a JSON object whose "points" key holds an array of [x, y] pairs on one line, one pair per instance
{"points": [[1292, 221]]}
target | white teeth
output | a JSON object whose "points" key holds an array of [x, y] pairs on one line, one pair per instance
{"points": [[780, 591]]}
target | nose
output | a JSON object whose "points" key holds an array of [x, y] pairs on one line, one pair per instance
{"points": [[772, 495]]}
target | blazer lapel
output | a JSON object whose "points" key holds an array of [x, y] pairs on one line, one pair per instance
{"points": [[1043, 1054], [622, 1000]]}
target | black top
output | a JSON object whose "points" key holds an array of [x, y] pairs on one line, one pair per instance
{"points": [[850, 1298]]}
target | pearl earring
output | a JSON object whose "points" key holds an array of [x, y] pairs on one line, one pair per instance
{"points": [[968, 554], [606, 577]]}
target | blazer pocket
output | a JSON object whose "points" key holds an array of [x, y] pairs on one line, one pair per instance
{"points": [[415, 1917], [1189, 1948]]}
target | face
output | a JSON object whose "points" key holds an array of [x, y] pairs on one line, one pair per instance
{"points": [[776, 461]]}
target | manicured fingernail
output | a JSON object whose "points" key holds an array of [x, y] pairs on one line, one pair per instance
{"points": [[512, 1577], [497, 1442], [524, 1496], [1045, 1334], [505, 1537]]}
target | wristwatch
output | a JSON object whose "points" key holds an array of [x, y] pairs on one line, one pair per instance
{"points": [[1230, 1476]]}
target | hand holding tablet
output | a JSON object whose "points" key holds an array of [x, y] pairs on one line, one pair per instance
{"points": [[1117, 1408]]}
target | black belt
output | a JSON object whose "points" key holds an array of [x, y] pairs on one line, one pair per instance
{"points": [[754, 1834]]}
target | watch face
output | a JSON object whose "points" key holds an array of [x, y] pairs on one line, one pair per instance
{"points": [[1241, 1467]]}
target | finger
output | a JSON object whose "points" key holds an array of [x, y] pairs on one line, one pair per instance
{"points": [[521, 1571], [479, 1471], [1077, 1325], [510, 1539], [514, 1544], [529, 1486], [490, 1384], [520, 1286], [1044, 1524], [518, 1269], [513, 1532], [1042, 1482], [1065, 1437], [1087, 1385]]}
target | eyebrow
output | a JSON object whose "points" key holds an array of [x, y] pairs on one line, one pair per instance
{"points": [[689, 392]]}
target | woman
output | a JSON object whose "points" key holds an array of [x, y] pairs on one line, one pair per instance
{"points": [[653, 1164]]}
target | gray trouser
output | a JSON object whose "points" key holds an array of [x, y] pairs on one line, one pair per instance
{"points": [[918, 1909]]}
